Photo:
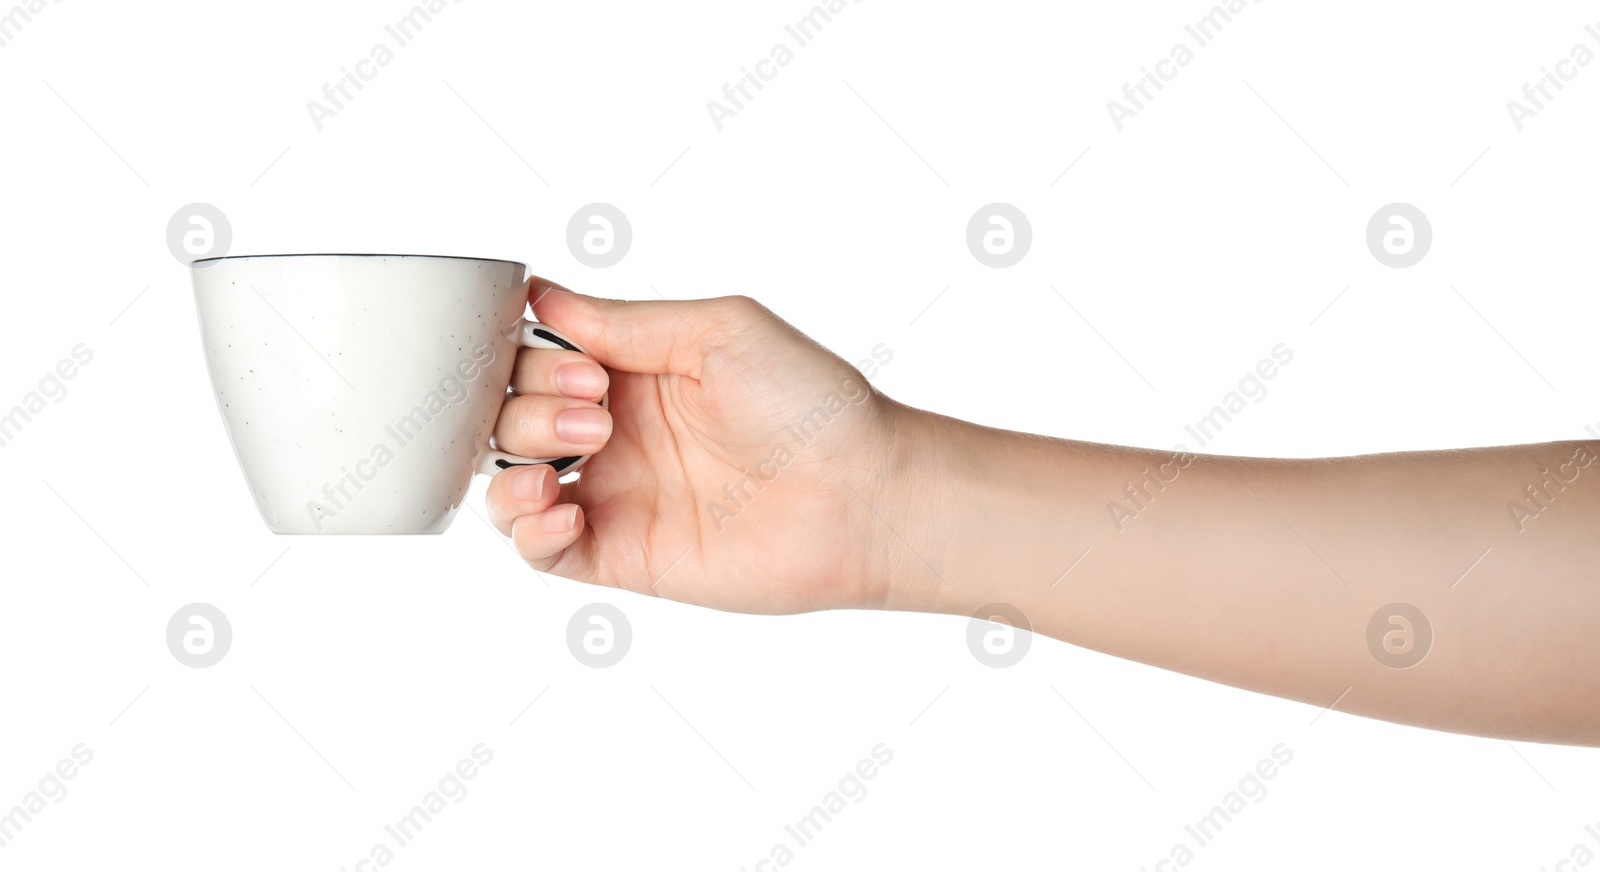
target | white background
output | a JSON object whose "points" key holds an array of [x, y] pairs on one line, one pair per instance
{"points": [[1195, 239]]}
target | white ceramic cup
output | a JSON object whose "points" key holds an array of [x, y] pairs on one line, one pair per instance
{"points": [[360, 390]]}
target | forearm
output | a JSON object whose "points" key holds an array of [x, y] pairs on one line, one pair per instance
{"points": [[1265, 574]]}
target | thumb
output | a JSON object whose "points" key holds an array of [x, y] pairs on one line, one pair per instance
{"points": [[646, 336]]}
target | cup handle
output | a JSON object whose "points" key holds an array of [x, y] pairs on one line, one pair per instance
{"points": [[532, 334]]}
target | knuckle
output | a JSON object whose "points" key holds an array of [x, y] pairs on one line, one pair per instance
{"points": [[524, 417], [734, 317], [742, 308], [537, 370], [519, 539]]}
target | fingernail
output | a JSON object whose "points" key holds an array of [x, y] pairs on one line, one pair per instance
{"points": [[583, 426], [584, 381], [528, 484], [560, 519]]}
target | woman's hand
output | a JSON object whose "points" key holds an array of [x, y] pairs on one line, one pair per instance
{"points": [[751, 470], [741, 461]]}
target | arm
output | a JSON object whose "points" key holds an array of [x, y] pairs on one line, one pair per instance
{"points": [[746, 468], [1271, 574]]}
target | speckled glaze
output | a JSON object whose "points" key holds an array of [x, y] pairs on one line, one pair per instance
{"points": [[360, 391]]}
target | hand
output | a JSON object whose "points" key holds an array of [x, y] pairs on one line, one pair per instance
{"points": [[740, 459], [749, 469]]}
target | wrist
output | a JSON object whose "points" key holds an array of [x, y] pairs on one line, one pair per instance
{"points": [[938, 520], [968, 515], [898, 513]]}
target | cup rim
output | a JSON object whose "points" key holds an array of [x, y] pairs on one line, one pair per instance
{"points": [[355, 254]]}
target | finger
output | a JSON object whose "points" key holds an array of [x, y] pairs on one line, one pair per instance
{"points": [[518, 491], [567, 373], [648, 336], [542, 538], [539, 425]]}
